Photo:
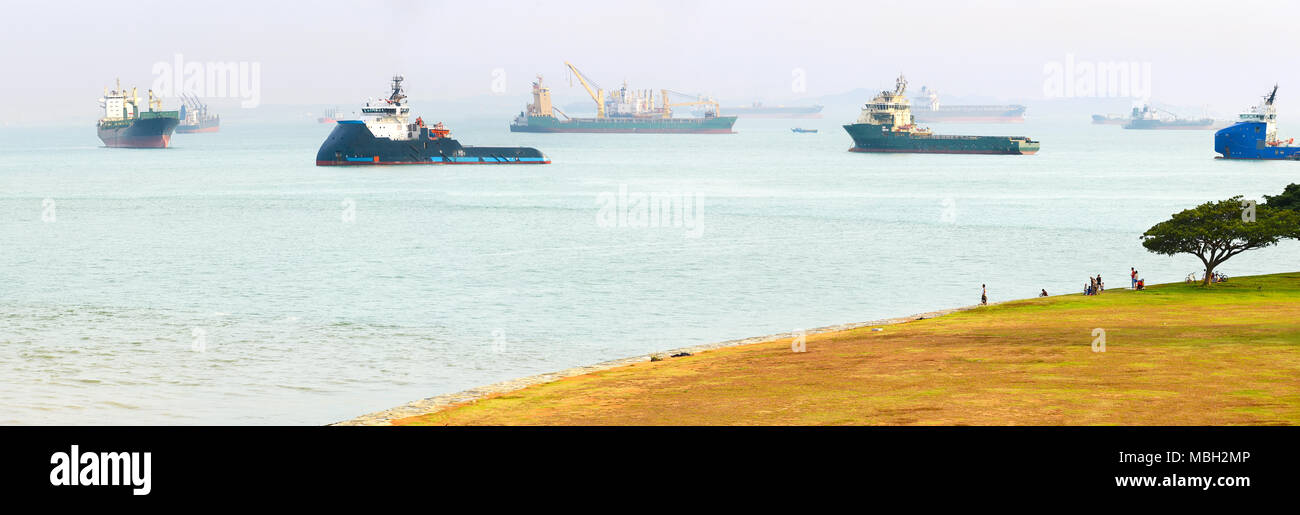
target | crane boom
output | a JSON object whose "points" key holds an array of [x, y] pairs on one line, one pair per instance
{"points": [[669, 105], [596, 93]]}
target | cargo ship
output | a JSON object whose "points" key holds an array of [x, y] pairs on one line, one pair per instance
{"points": [[386, 136], [1149, 118], [928, 109], [125, 126], [1109, 119], [624, 111], [886, 125], [195, 117], [758, 110], [1254, 136]]}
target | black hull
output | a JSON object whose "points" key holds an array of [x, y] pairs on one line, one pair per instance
{"points": [[140, 133], [352, 144]]}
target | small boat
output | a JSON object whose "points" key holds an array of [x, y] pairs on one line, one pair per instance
{"points": [[798, 130]]}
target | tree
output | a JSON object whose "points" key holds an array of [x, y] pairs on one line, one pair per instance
{"points": [[1289, 199], [1216, 231]]}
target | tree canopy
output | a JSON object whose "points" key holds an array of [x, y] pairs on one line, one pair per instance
{"points": [[1216, 231], [1289, 199]]}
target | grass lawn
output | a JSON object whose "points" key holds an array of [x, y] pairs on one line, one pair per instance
{"points": [[1175, 354]]}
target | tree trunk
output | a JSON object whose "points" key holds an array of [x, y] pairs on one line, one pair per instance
{"points": [[1209, 273]]}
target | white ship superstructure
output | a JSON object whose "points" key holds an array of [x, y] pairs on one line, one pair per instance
{"points": [[390, 117]]}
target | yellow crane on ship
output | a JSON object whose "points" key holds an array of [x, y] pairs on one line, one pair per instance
{"points": [[596, 93], [668, 106]]}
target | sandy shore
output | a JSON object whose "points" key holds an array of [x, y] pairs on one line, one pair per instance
{"points": [[441, 402]]}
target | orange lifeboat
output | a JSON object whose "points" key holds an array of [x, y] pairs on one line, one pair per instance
{"points": [[438, 131]]}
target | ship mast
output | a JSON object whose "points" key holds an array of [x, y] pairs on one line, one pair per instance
{"points": [[397, 96]]}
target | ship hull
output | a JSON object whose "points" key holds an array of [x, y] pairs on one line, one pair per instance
{"points": [[352, 144], [1245, 140], [204, 126], [190, 129], [709, 125], [151, 130], [1196, 125], [874, 138], [969, 114]]}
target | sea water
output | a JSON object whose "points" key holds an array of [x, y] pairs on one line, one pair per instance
{"points": [[229, 280]]}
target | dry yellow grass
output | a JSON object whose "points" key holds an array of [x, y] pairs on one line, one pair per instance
{"points": [[1175, 355]]}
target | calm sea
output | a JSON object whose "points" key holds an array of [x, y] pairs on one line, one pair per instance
{"points": [[228, 280]]}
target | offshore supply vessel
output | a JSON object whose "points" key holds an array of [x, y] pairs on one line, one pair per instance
{"points": [[1255, 135], [125, 126], [758, 110], [928, 109], [623, 111], [386, 136], [886, 125], [1147, 117], [195, 117]]}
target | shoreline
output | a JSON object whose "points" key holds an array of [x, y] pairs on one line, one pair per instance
{"points": [[441, 402]]}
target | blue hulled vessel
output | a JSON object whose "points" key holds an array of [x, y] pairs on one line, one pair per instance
{"points": [[1255, 136], [386, 136]]}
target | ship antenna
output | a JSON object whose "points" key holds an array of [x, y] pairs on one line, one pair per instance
{"points": [[397, 95]]}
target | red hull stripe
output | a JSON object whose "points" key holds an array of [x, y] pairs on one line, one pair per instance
{"points": [[139, 142], [986, 119], [390, 163], [902, 151], [638, 131]]}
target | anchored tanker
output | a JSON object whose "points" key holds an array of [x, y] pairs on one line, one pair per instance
{"points": [[928, 109], [1150, 118], [386, 136], [624, 111], [886, 125], [125, 126]]}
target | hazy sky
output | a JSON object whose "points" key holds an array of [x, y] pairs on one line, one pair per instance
{"points": [[58, 56]]}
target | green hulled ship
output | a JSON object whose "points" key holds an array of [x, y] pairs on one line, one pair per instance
{"points": [[645, 125], [624, 111], [886, 125]]}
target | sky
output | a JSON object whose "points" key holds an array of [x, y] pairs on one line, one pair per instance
{"points": [[58, 56]]}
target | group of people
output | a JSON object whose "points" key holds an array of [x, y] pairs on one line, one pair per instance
{"points": [[1095, 286], [1138, 283]]}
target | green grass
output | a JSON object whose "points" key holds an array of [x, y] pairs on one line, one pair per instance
{"points": [[1175, 354]]}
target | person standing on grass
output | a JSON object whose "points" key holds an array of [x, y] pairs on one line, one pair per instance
{"points": [[1101, 287], [984, 295], [1133, 274]]}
